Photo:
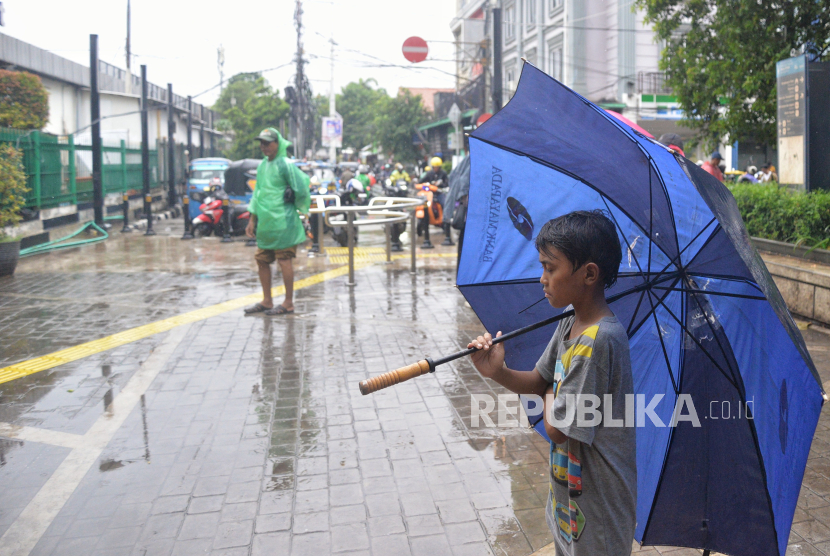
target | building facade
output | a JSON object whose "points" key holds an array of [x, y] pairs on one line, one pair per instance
{"points": [[69, 104]]}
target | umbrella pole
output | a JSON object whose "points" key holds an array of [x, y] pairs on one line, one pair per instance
{"points": [[428, 365]]}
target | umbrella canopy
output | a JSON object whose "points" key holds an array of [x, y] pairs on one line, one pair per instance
{"points": [[629, 123], [703, 315]]}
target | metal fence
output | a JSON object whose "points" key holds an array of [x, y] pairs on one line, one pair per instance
{"points": [[59, 171]]}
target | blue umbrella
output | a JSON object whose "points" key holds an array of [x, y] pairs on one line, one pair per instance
{"points": [[703, 315]]}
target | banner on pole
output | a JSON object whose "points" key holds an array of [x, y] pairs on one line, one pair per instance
{"points": [[332, 132]]}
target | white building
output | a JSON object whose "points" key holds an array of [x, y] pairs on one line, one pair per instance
{"points": [[602, 49], [69, 103]]}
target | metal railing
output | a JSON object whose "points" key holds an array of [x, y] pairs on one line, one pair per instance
{"points": [[384, 211]]}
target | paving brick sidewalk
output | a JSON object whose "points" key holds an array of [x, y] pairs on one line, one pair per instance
{"points": [[253, 438]]}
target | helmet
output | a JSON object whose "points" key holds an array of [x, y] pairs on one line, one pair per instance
{"points": [[354, 185], [363, 169], [315, 180], [436, 161], [399, 167]]}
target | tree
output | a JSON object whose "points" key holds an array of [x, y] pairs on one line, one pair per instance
{"points": [[248, 105], [396, 121], [24, 101], [358, 104], [12, 186], [720, 59]]}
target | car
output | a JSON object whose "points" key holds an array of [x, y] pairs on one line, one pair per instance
{"points": [[200, 172]]}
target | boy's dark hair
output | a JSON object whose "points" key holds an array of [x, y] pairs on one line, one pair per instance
{"points": [[585, 236]]}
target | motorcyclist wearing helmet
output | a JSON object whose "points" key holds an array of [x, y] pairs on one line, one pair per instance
{"points": [[399, 174], [438, 177], [363, 177]]}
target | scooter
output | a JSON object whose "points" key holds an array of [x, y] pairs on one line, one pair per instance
{"points": [[353, 194], [211, 220], [433, 212]]}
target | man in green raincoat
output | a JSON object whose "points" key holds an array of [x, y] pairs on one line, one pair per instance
{"points": [[281, 190]]}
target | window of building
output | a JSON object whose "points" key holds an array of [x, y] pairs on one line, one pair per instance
{"points": [[530, 12], [554, 5], [509, 22], [555, 62]]}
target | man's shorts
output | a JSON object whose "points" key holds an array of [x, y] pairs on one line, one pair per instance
{"points": [[268, 256]]}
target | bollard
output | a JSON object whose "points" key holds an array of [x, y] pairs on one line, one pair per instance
{"points": [[350, 231], [148, 209], [388, 243], [321, 228], [188, 233], [315, 235], [427, 243], [126, 228], [226, 215], [413, 235]]}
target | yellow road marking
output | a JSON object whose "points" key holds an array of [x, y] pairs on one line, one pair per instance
{"points": [[68, 355]]}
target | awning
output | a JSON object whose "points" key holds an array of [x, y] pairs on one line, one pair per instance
{"points": [[446, 121]]}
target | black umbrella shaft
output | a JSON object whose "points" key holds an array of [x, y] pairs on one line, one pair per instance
{"points": [[503, 338]]}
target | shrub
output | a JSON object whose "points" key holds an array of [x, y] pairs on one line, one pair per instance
{"points": [[24, 101], [774, 212], [12, 186]]}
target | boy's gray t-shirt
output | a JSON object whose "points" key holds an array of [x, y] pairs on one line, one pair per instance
{"points": [[592, 506]]}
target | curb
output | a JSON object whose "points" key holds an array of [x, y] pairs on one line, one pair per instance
{"points": [[169, 214]]}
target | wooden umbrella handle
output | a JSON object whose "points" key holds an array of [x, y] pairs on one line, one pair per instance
{"points": [[394, 377]]}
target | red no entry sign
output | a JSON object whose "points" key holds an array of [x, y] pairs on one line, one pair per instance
{"points": [[415, 49]]}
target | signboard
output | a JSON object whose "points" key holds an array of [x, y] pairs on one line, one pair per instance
{"points": [[454, 115], [332, 132], [415, 49], [792, 119]]}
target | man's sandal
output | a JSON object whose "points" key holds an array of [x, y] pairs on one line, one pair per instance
{"points": [[279, 310], [256, 308]]}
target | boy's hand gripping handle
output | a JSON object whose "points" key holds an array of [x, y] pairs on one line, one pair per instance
{"points": [[394, 377]]}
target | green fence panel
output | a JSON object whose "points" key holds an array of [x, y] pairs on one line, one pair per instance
{"points": [[59, 171]]}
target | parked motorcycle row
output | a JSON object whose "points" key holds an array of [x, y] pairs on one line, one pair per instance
{"points": [[234, 182]]}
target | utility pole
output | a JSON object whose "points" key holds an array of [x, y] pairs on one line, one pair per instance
{"points": [[220, 64], [497, 87], [95, 116], [299, 83], [332, 108], [129, 73], [189, 132]]}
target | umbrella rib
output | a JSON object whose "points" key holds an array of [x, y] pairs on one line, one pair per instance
{"points": [[662, 344], [653, 164], [651, 218], [712, 329], [699, 345], [535, 303], [634, 315], [707, 292], [647, 315], [728, 279]]}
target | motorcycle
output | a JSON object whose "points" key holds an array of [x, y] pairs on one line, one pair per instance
{"points": [[352, 195], [432, 212], [399, 188], [211, 220]]}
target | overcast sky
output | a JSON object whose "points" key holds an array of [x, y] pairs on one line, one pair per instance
{"points": [[178, 39]]}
